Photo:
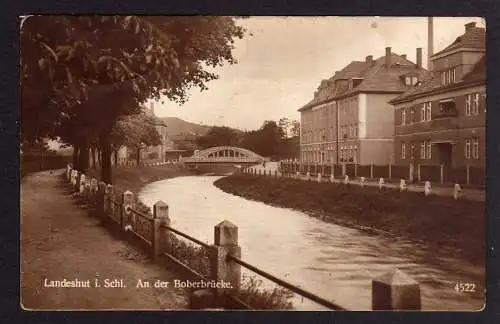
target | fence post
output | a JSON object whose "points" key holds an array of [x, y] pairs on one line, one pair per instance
{"points": [[160, 233], [395, 290], [390, 171], [410, 176], [441, 173], [229, 272], [108, 191], [127, 203], [371, 170], [468, 174], [343, 169]]}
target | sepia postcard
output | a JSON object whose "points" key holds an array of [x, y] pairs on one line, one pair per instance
{"points": [[252, 163]]}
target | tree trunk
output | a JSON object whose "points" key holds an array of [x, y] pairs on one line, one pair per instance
{"points": [[75, 156], [92, 154], [106, 172], [138, 157], [116, 157], [83, 156]]}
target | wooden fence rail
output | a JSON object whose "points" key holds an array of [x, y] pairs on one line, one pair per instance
{"points": [[220, 287]]}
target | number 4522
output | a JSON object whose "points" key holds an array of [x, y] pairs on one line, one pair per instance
{"points": [[465, 287]]}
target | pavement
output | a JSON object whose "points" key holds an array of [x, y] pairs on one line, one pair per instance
{"points": [[440, 189], [60, 241]]}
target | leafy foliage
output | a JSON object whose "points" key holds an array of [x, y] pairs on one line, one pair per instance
{"points": [[81, 74]]}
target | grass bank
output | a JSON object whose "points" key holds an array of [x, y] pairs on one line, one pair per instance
{"points": [[436, 220]]}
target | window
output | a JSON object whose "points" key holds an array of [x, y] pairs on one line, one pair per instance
{"points": [[475, 148], [412, 151], [403, 116], [468, 104], [403, 150], [428, 110], [412, 115], [410, 80], [422, 150], [475, 104], [448, 77], [467, 149], [422, 113], [428, 150]]}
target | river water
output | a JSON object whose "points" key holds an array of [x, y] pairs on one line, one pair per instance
{"points": [[334, 262]]}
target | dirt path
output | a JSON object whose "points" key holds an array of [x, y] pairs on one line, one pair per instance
{"points": [[60, 241]]}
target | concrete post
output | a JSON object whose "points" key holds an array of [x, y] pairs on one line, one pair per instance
{"points": [[225, 243], [108, 191], [456, 191], [390, 171], [297, 175], [362, 182], [381, 183], [346, 179], [332, 178], [427, 188], [126, 214], [319, 177], [371, 171], [308, 176], [468, 174], [81, 185], [410, 176], [441, 175], [402, 185], [395, 290], [160, 237]]}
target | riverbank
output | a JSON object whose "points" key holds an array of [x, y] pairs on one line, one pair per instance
{"points": [[439, 221], [135, 178], [59, 241]]}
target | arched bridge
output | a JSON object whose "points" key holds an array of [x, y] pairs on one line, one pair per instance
{"points": [[224, 154]]}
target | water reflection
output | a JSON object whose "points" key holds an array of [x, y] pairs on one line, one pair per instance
{"points": [[332, 261]]}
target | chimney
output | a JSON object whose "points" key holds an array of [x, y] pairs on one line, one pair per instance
{"points": [[430, 42], [369, 59], [469, 26], [387, 57], [419, 57], [403, 56]]}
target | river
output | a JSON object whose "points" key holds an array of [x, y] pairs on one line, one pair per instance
{"points": [[335, 262]]}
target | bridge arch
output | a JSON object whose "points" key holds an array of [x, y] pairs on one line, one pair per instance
{"points": [[225, 154]]}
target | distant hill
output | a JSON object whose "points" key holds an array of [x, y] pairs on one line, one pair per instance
{"points": [[177, 127]]}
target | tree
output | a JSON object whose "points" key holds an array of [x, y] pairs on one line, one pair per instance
{"points": [[92, 70], [135, 132], [219, 136]]}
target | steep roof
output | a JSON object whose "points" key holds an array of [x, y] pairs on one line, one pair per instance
{"points": [[477, 74], [375, 78], [474, 37]]}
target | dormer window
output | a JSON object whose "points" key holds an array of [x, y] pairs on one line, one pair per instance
{"points": [[410, 80], [356, 82], [448, 77]]}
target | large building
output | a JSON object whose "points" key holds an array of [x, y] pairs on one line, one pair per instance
{"points": [[441, 120], [350, 120]]}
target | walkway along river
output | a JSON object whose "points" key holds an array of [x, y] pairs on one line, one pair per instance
{"points": [[332, 261]]}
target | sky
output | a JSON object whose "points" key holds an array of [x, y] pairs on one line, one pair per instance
{"points": [[283, 61]]}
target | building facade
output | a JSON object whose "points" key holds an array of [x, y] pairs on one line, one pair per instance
{"points": [[158, 153], [442, 120], [350, 119]]}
